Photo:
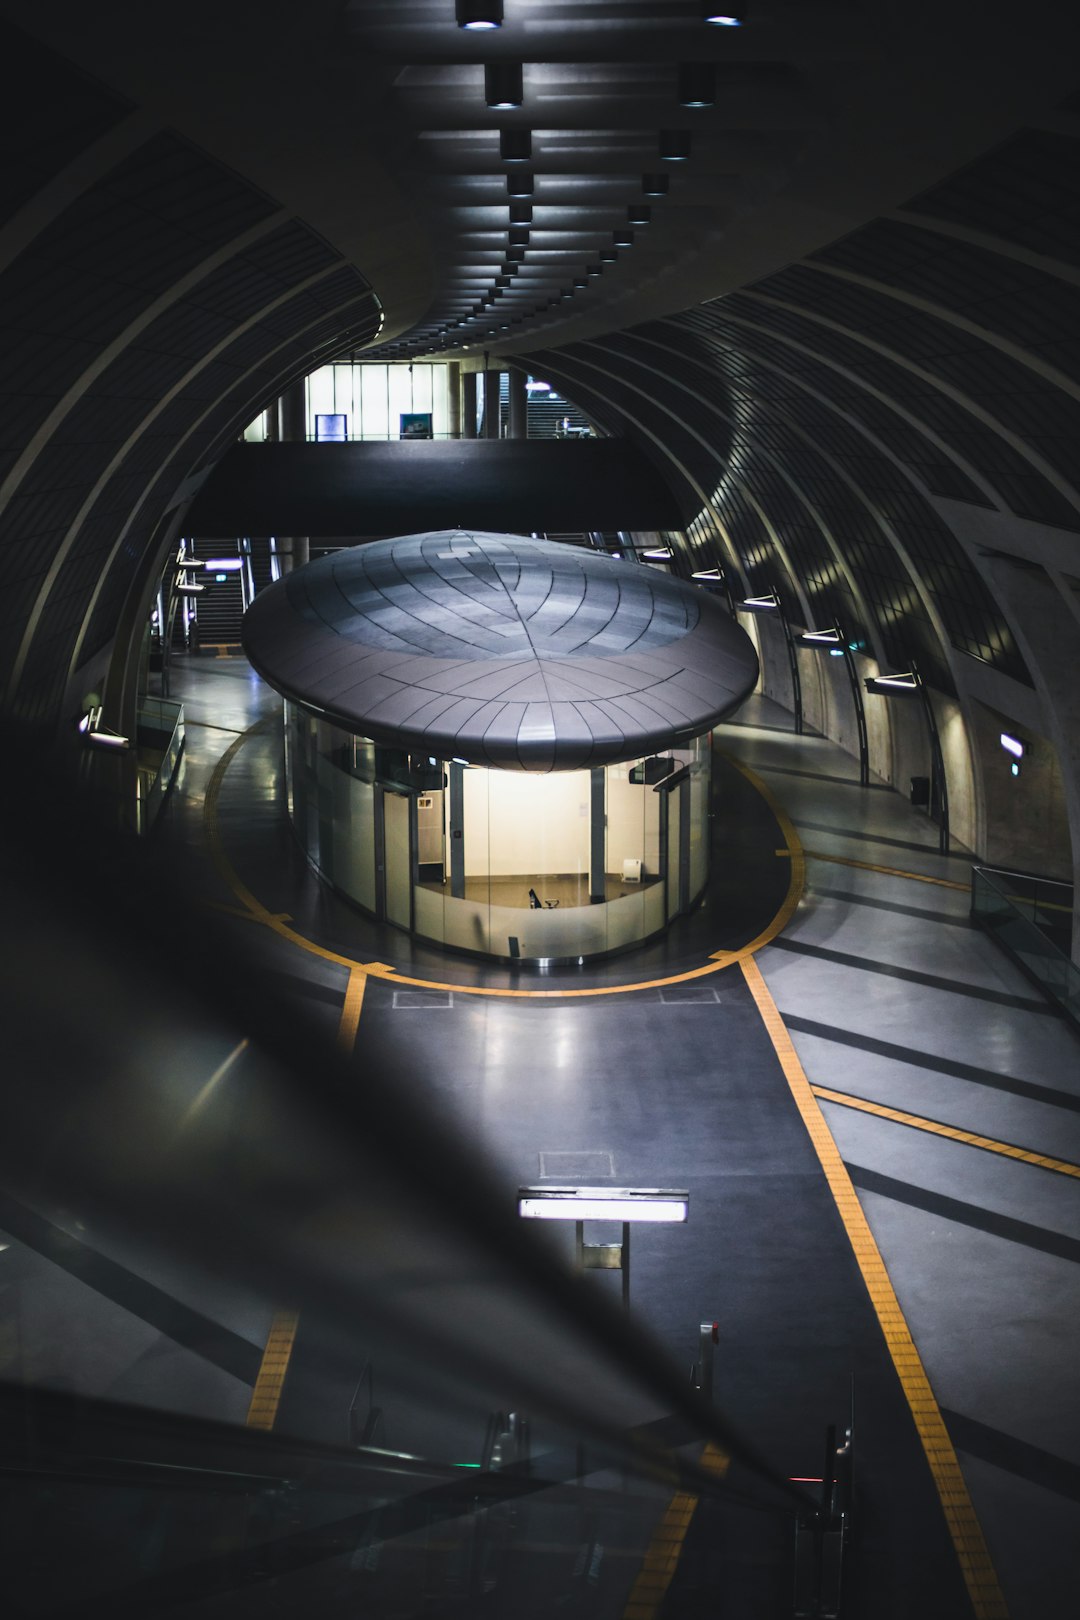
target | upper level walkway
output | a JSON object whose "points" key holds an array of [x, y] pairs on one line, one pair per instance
{"points": [[379, 487]]}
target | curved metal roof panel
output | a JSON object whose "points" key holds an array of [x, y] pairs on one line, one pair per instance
{"points": [[501, 650]]}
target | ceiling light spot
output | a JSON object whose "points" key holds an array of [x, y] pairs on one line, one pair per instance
{"points": [[479, 15]]}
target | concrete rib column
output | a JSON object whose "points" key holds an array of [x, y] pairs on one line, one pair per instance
{"points": [[294, 549], [292, 413], [597, 836], [519, 399], [468, 405], [453, 396], [491, 404]]}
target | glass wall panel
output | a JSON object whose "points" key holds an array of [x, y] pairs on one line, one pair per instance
{"points": [[398, 861], [374, 420], [373, 397], [674, 850], [321, 397], [503, 863]]}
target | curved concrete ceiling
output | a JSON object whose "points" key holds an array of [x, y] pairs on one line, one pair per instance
{"points": [[370, 121]]}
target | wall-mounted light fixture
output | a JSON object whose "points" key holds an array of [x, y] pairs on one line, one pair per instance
{"points": [[697, 84], [1015, 748], [479, 16], [760, 604], [903, 685], [504, 84], [97, 734], [658, 554]]}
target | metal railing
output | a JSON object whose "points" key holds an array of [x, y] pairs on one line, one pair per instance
{"points": [[160, 737], [1031, 919]]}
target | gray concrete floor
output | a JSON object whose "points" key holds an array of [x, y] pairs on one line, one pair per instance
{"points": [[969, 1236], [889, 995]]}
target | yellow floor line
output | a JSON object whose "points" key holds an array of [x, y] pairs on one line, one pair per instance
{"points": [[350, 1012], [279, 923], [275, 1364], [665, 1549], [889, 871], [970, 1139], [978, 1571]]}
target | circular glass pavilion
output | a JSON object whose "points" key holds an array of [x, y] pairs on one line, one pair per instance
{"points": [[501, 744]]}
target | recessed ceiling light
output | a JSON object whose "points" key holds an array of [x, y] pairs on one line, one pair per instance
{"points": [[521, 213], [515, 255], [515, 145], [655, 185], [608, 255], [594, 269], [724, 16], [520, 185], [623, 238], [503, 84], [697, 84], [638, 214], [579, 283], [479, 15], [674, 145], [518, 238]]}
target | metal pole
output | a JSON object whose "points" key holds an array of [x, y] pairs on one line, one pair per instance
{"points": [[860, 711]]}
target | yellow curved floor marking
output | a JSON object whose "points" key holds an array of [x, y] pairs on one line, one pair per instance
{"points": [[278, 923], [270, 1382], [981, 1580], [350, 1012], [889, 871], [1063, 1167], [665, 1549]]}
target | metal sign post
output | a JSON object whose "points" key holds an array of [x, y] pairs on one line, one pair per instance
{"points": [[656, 1205]]}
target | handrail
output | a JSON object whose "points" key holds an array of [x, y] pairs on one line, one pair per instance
{"points": [[1028, 877], [1022, 938]]}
